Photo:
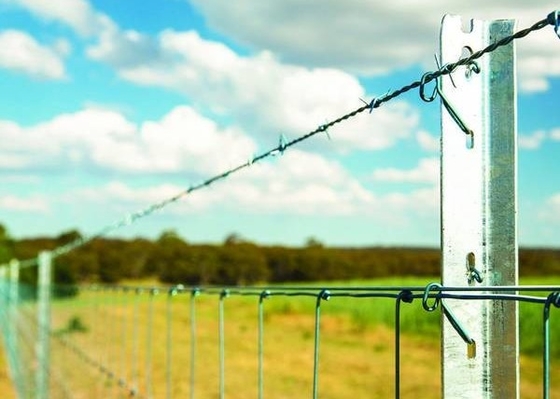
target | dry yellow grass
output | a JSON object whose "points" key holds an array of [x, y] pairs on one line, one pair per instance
{"points": [[354, 362]]}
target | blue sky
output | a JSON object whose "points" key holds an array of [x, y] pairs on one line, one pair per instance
{"points": [[110, 106]]}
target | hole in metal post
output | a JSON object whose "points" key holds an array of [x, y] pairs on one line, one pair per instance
{"points": [[471, 350], [471, 260], [466, 52], [467, 25]]}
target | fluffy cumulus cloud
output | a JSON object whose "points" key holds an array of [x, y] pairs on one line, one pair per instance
{"points": [[531, 141], [538, 62], [427, 171], [78, 14], [296, 183], [366, 38], [427, 142], [551, 209], [555, 134], [375, 37], [20, 52], [535, 140], [13, 203], [182, 141], [261, 94]]}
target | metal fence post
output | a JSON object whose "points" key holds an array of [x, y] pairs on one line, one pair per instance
{"points": [[478, 210], [12, 329], [44, 324]]}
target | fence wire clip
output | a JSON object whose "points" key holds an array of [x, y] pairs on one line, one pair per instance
{"points": [[445, 70], [472, 273], [457, 326], [554, 19]]}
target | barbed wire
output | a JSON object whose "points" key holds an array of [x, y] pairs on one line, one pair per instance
{"points": [[552, 19]]}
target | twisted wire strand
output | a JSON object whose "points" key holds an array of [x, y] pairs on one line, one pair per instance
{"points": [[375, 103]]}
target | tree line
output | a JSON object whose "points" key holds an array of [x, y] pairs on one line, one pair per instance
{"points": [[171, 259]]}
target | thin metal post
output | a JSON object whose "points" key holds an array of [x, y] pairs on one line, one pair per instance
{"points": [[478, 210], [12, 336], [323, 295], [44, 324], [265, 294], [221, 338], [194, 294]]}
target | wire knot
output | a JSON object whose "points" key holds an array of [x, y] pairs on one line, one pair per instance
{"points": [[406, 296]]}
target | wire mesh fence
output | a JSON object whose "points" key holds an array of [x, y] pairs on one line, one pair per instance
{"points": [[274, 342]]}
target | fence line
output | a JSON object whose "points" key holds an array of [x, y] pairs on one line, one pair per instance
{"points": [[114, 306], [136, 377]]}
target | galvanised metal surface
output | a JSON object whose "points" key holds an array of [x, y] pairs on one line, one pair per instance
{"points": [[44, 325], [478, 209]]}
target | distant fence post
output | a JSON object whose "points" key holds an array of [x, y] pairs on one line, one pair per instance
{"points": [[12, 342], [478, 210], [44, 324]]}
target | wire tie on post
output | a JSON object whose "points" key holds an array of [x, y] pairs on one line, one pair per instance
{"points": [[430, 287], [471, 67], [472, 272], [471, 344], [428, 77], [554, 19]]}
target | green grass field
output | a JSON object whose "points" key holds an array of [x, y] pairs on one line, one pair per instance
{"points": [[356, 357]]}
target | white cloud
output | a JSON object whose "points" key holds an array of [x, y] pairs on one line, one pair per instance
{"points": [[555, 134], [427, 142], [297, 183], [551, 209], [22, 53], [124, 49], [376, 37], [78, 14], [262, 95], [427, 171], [538, 61], [360, 37], [19, 204], [532, 141], [182, 141]]}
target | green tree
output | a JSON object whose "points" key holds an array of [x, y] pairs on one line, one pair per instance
{"points": [[6, 245], [242, 263]]}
